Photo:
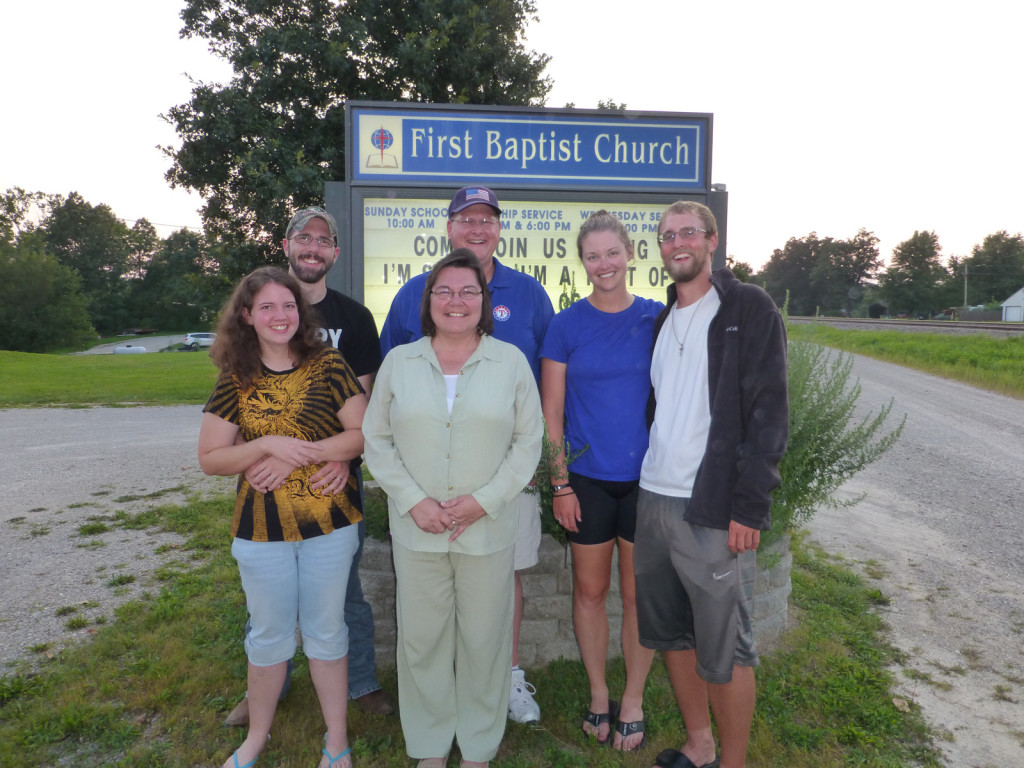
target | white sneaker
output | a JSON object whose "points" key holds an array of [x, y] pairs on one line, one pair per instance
{"points": [[521, 706]]}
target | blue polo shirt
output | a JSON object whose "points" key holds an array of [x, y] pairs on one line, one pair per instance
{"points": [[520, 305]]}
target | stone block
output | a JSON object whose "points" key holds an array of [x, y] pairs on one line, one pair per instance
{"points": [[540, 631], [553, 607], [539, 583]]}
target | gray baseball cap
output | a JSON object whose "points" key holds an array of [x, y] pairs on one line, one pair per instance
{"points": [[301, 219]]}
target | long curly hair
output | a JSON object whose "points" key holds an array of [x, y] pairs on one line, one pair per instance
{"points": [[236, 350]]}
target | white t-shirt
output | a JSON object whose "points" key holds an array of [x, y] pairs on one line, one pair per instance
{"points": [[679, 434], [451, 383]]}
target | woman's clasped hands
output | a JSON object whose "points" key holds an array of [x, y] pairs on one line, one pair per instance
{"points": [[454, 515]]}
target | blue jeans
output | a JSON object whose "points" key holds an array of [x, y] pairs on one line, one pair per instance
{"points": [[362, 655]]}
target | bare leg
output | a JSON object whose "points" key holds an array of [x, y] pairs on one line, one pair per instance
{"points": [[330, 678], [591, 573], [637, 658], [264, 685], [733, 705], [692, 696]]}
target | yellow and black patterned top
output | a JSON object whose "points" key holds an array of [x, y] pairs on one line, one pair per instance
{"points": [[303, 403]]}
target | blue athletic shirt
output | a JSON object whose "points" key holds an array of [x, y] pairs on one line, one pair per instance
{"points": [[520, 305], [607, 381]]}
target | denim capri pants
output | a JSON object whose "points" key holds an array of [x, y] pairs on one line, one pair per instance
{"points": [[289, 581]]}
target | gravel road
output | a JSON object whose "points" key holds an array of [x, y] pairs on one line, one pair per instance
{"points": [[935, 531], [938, 526]]}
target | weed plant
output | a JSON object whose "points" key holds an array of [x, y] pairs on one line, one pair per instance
{"points": [[980, 360], [828, 442], [153, 686]]}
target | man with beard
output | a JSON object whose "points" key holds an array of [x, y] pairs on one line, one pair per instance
{"points": [[719, 419], [311, 245]]}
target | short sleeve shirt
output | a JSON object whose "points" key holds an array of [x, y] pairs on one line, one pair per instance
{"points": [[303, 403]]}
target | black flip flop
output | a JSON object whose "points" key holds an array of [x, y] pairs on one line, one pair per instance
{"points": [[673, 758], [629, 729], [596, 720]]}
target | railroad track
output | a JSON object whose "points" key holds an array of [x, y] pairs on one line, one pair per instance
{"points": [[919, 326]]}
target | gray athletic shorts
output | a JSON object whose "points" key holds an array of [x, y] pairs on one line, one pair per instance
{"points": [[691, 591], [528, 537]]}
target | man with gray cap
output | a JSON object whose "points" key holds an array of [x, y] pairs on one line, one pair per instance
{"points": [[311, 245], [522, 311]]}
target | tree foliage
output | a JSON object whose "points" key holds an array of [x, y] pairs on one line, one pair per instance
{"points": [[41, 306], [93, 242], [265, 142], [182, 285], [915, 276], [80, 267], [995, 269], [821, 275], [828, 441]]}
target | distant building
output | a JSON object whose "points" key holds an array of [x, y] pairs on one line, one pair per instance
{"points": [[1013, 308]]}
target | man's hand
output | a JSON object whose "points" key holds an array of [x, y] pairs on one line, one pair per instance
{"points": [[742, 538], [331, 478]]}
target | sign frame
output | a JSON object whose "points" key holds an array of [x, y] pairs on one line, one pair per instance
{"points": [[345, 200]]}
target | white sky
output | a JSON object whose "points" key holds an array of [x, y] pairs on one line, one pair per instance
{"points": [[895, 116]]}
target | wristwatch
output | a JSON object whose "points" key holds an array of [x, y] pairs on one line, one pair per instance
{"points": [[557, 488]]}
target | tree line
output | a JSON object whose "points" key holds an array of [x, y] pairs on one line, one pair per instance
{"points": [[830, 276], [70, 270]]}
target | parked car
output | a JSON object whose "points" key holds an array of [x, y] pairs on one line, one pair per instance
{"points": [[197, 340]]}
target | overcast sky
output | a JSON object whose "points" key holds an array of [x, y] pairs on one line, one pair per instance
{"points": [[894, 116]]}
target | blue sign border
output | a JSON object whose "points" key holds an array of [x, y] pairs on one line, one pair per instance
{"points": [[413, 144]]}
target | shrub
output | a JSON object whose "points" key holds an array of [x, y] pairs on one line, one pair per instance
{"points": [[827, 443]]}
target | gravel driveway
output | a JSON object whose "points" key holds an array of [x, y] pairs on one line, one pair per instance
{"points": [[937, 532]]}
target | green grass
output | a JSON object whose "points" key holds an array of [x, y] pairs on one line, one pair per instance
{"points": [[988, 362], [154, 379], [152, 686], [186, 378]]}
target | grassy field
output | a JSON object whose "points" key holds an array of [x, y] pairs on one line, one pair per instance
{"points": [[172, 378], [996, 364], [179, 378], [152, 687]]}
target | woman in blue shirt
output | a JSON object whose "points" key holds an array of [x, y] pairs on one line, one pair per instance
{"points": [[595, 378]]}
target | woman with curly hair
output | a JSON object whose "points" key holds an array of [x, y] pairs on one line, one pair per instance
{"points": [[286, 403]]}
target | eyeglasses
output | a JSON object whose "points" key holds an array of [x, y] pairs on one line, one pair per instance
{"points": [[321, 242], [466, 294], [686, 233], [477, 222]]}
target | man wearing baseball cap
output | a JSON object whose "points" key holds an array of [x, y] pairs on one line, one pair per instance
{"points": [[522, 311], [311, 245]]}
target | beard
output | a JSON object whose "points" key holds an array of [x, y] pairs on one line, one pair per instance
{"points": [[309, 273], [687, 271]]}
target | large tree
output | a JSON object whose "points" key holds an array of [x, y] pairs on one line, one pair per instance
{"points": [[41, 306], [821, 275], [267, 141], [183, 288], [995, 269], [96, 244], [911, 283]]}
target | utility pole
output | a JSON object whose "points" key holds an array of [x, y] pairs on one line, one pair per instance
{"points": [[965, 285]]}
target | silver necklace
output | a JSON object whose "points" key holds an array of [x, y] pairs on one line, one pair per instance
{"points": [[682, 344]]}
